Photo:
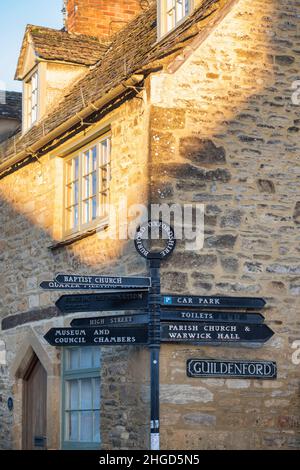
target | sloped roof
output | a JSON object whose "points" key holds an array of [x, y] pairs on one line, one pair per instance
{"points": [[59, 45], [10, 105], [134, 49]]}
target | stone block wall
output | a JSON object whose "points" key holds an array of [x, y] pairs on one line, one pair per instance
{"points": [[225, 133], [31, 215]]}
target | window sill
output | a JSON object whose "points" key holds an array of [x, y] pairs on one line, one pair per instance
{"points": [[78, 236]]}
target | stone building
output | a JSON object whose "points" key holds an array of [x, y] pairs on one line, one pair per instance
{"points": [[188, 102], [10, 113]]}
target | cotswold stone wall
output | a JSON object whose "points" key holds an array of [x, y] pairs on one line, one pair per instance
{"points": [[225, 133], [31, 218]]}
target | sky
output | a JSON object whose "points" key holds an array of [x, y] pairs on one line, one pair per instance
{"points": [[14, 16]]}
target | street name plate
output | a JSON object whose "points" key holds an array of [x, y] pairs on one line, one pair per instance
{"points": [[199, 333], [231, 369], [211, 302], [104, 301], [123, 320], [107, 336]]}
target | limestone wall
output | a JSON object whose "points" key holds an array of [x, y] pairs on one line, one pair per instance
{"points": [[31, 214], [225, 133]]}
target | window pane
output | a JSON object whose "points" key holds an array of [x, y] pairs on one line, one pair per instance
{"points": [[86, 426], [94, 183], [73, 362], [72, 426], [76, 168], [96, 352], [94, 158], [96, 426], [86, 187], [76, 216], [86, 358], [69, 218], [187, 7], [105, 150], [86, 395], [76, 192], [86, 212], [73, 395], [86, 165], [96, 404], [94, 208]]}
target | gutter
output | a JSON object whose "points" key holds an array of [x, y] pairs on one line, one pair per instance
{"points": [[79, 117]]}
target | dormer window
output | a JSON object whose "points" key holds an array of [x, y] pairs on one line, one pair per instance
{"points": [[172, 13], [50, 61], [31, 102]]}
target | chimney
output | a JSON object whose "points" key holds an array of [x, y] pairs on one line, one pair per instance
{"points": [[101, 18]]}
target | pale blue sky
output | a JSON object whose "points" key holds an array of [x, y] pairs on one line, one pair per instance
{"points": [[14, 16]]}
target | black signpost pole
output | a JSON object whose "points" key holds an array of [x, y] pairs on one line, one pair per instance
{"points": [[154, 345], [154, 303]]}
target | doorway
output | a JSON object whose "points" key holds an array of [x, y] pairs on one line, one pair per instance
{"points": [[35, 406]]}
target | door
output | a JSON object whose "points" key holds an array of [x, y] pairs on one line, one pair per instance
{"points": [[35, 407]]}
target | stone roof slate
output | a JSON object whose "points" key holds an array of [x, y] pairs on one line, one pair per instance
{"points": [[10, 105], [59, 45], [52, 44]]}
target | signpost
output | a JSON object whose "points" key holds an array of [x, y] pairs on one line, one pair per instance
{"points": [[105, 282], [65, 337], [105, 301], [183, 301], [54, 285], [201, 333], [202, 368], [167, 318], [200, 315], [137, 319]]}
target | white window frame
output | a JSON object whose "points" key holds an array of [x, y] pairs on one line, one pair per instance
{"points": [[28, 118], [164, 11], [69, 194]]}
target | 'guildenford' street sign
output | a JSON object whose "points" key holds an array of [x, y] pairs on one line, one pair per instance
{"points": [[231, 369]]}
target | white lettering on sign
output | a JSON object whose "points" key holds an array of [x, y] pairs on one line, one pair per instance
{"points": [[70, 340], [200, 300], [197, 315], [190, 336], [114, 339], [69, 332], [231, 368], [220, 328], [92, 280]]}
